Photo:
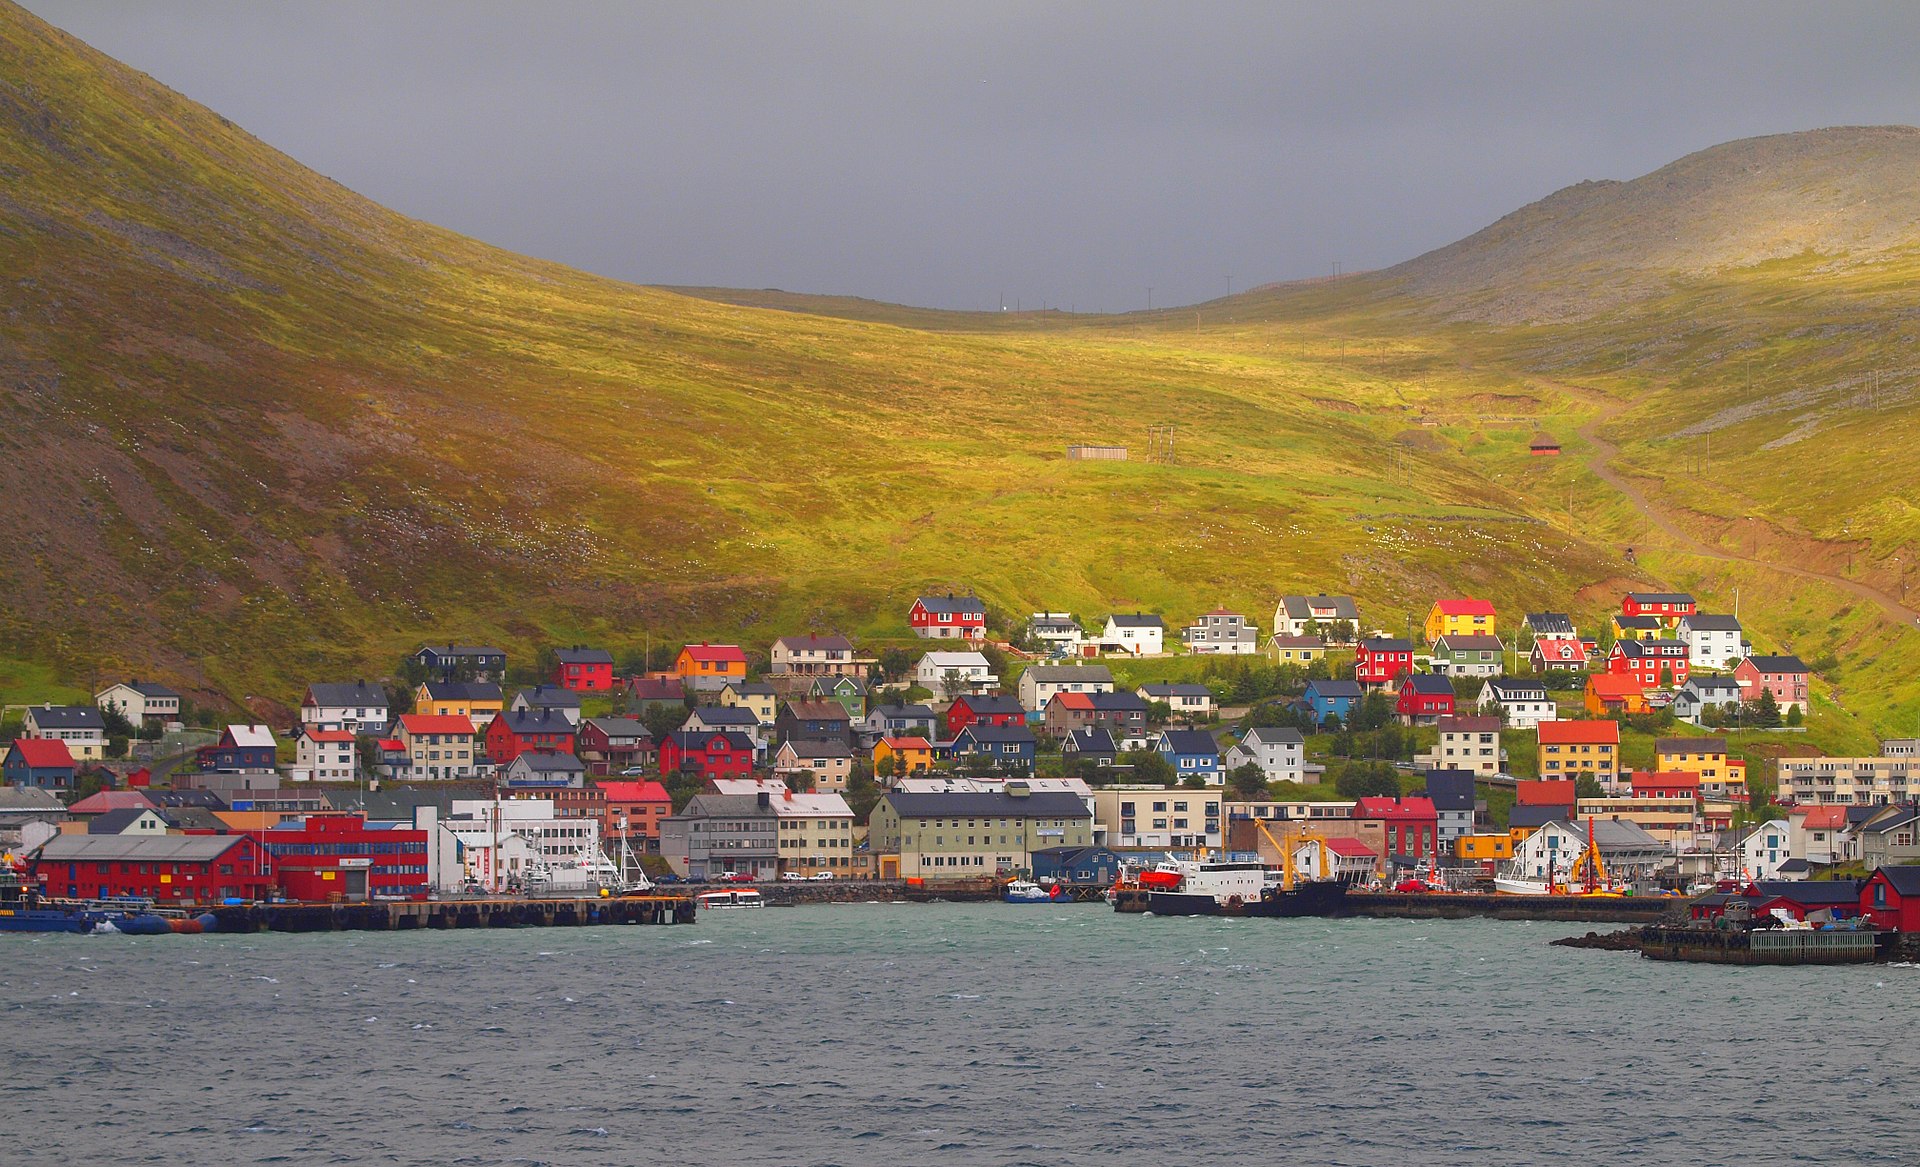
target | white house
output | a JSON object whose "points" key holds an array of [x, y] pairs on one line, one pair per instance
{"points": [[535, 844], [1764, 848], [138, 700], [1298, 615], [1628, 851], [324, 755], [1703, 692], [1040, 682], [949, 674], [1138, 634], [1520, 703], [1820, 835], [1280, 753], [80, 726], [1222, 632], [1348, 860], [1467, 743], [1059, 631], [1189, 700], [565, 701], [1713, 642], [356, 707]]}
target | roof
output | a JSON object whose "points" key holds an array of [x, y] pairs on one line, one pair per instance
{"points": [[902, 712], [1071, 701], [1703, 622], [1093, 739], [1560, 733], [1349, 848], [812, 643], [721, 716], [138, 848], [1546, 792], [548, 697], [642, 791], [1613, 687], [1794, 865], [721, 653], [1548, 623], [696, 739], [909, 742], [67, 717], [1122, 702], [1136, 620], [462, 691], [1450, 789], [1615, 833], [1560, 648], [1512, 688], [1473, 642], [1301, 607], [1464, 607], [16, 799], [1296, 642], [115, 821], [1056, 674], [983, 703], [461, 650], [525, 721], [1381, 644], [1001, 734], [1188, 741], [741, 688], [1822, 818], [103, 801], [1777, 664], [1665, 780], [730, 806], [423, 723], [1707, 682], [1273, 736], [619, 726], [952, 604], [954, 660], [356, 693], [656, 689], [1329, 688], [176, 799], [1544, 441], [583, 656], [43, 752], [145, 689], [549, 761], [813, 803], [1689, 745], [1637, 622], [1427, 684], [814, 710], [1905, 880], [1809, 892], [984, 804], [1660, 597], [1175, 689], [332, 735], [249, 736], [1469, 725], [1394, 808], [818, 748], [1537, 816]]}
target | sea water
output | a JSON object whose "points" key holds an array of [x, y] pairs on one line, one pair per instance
{"points": [[968, 1034]]}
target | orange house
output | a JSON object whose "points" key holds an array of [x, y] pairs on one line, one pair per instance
{"points": [[708, 668], [912, 754], [1608, 693]]}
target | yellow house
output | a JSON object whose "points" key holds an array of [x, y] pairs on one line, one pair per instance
{"points": [[759, 698], [1460, 618], [1296, 650], [1720, 776], [1484, 848], [911, 754], [476, 701]]}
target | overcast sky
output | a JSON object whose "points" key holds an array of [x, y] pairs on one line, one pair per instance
{"points": [[952, 154]]}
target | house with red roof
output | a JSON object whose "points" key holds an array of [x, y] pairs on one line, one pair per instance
{"points": [[1569, 749], [443, 745], [324, 755], [1820, 835], [707, 668], [1562, 653], [1462, 617], [1348, 860], [1610, 693], [1411, 826], [1667, 784], [103, 801], [39, 763], [633, 811]]}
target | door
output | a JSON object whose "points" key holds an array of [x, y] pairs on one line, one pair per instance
{"points": [[356, 884]]}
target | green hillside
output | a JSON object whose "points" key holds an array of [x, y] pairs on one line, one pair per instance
{"points": [[259, 430]]}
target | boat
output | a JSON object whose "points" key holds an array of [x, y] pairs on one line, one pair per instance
{"points": [[1025, 891], [1163, 876], [1587, 877], [730, 899], [1307, 897], [24, 909], [1207, 888]]}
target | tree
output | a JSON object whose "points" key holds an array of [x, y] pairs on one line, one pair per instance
{"points": [[1766, 710], [1248, 781], [1150, 766], [662, 718], [1587, 786], [116, 722], [802, 781], [88, 783], [1159, 713], [889, 767], [1367, 780], [895, 662], [1195, 782], [399, 700], [117, 746], [863, 793], [1375, 711], [1794, 717]]}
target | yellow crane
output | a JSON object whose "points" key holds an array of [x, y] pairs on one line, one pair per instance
{"points": [[1289, 875]]}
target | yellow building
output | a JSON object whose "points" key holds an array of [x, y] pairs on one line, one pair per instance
{"points": [[1569, 749], [1460, 618], [911, 755], [1666, 819], [1484, 848], [759, 698], [1720, 776], [477, 701], [1296, 650]]}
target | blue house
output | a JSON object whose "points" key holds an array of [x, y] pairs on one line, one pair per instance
{"points": [[1011, 747], [38, 763], [1193, 753], [241, 747], [1324, 699], [1085, 866]]}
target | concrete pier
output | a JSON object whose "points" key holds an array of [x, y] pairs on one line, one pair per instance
{"points": [[399, 916]]}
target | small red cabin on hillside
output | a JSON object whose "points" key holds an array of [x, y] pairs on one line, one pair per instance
{"points": [[583, 670], [1380, 660]]}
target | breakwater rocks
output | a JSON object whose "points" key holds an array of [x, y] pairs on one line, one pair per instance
{"points": [[1568, 909], [1623, 940]]}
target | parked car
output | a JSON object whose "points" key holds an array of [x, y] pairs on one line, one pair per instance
{"points": [[734, 877], [792, 877], [821, 875]]}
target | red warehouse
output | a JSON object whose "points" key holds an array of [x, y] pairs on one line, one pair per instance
{"points": [[329, 858], [171, 870], [1412, 826]]}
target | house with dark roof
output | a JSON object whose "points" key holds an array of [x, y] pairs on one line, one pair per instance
{"points": [[1193, 753], [1551, 624], [927, 836], [467, 662], [1324, 699], [948, 617], [1222, 632], [988, 708], [1703, 692], [1667, 607], [516, 731], [1469, 656], [544, 768], [1454, 803], [1713, 642], [815, 656], [1891, 836], [609, 745], [1092, 745], [583, 670], [138, 700], [132, 820], [1785, 677], [545, 698], [1518, 701], [1279, 752], [1008, 747], [1321, 615], [477, 701], [1891, 898], [899, 721], [826, 764], [1424, 699], [1039, 683], [644, 693], [813, 719], [707, 753], [1382, 660], [1189, 700], [1134, 634]]}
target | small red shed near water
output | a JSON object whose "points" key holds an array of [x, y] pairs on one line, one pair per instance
{"points": [[1891, 897]]}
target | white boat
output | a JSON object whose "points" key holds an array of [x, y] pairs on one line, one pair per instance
{"points": [[1025, 891], [731, 899], [1515, 885], [1206, 886]]}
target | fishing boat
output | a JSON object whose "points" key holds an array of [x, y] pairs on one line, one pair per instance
{"points": [[730, 899], [1025, 891], [1586, 876], [24, 909], [1207, 888]]}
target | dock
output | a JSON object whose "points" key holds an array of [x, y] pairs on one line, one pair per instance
{"points": [[1468, 905], [1768, 945], [408, 915]]}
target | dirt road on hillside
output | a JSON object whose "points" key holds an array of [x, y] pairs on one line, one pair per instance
{"points": [[1600, 462]]}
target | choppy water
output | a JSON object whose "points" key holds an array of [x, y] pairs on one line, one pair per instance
{"points": [[974, 1034]]}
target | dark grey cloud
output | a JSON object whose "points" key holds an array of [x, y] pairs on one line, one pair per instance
{"points": [[947, 155]]}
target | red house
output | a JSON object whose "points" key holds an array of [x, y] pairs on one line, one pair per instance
{"points": [[339, 857], [609, 745], [171, 870], [1783, 676], [1412, 825], [1379, 661], [1892, 898], [1675, 784], [1666, 607], [983, 709], [514, 732], [1559, 652], [1424, 699], [1655, 664], [948, 617], [633, 812], [708, 753], [583, 670]]}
